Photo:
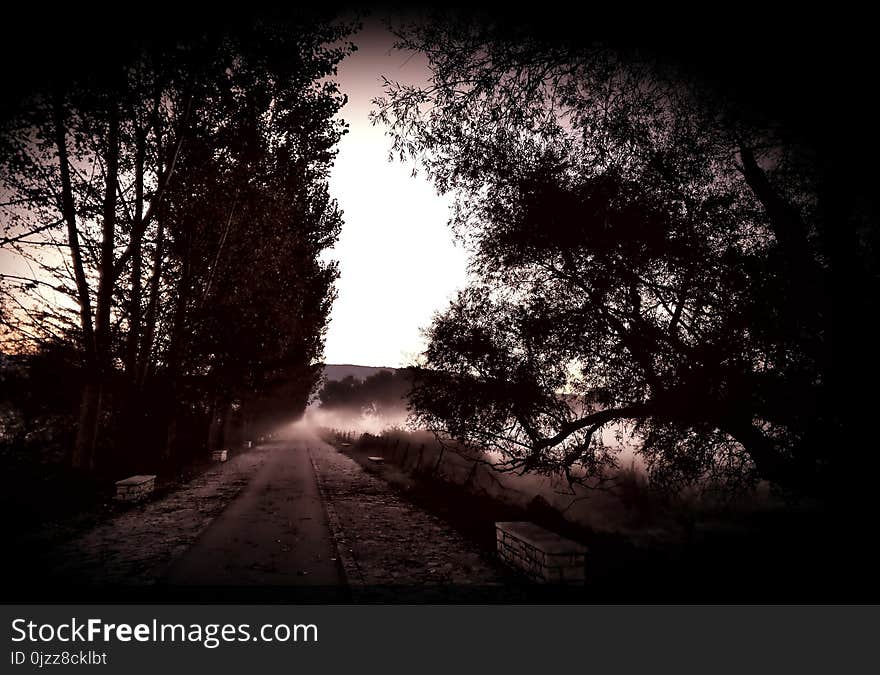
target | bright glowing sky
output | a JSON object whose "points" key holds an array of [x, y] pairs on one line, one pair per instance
{"points": [[396, 256]]}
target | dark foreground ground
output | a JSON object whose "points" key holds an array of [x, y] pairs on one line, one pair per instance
{"points": [[784, 555], [301, 520], [292, 520]]}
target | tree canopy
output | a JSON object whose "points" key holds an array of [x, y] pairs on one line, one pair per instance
{"points": [[653, 265], [167, 208]]}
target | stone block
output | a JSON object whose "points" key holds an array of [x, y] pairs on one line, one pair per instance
{"points": [[134, 488], [542, 555]]}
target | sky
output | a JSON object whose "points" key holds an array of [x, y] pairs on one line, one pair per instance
{"points": [[397, 259]]}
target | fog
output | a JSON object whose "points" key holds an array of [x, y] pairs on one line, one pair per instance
{"points": [[626, 505], [416, 450], [367, 422]]}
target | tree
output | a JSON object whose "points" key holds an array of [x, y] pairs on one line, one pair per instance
{"points": [[77, 160], [341, 394], [384, 393], [246, 232], [141, 198], [653, 266]]}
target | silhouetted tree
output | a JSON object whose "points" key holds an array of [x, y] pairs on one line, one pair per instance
{"points": [[653, 268], [168, 208], [340, 394], [251, 296]]}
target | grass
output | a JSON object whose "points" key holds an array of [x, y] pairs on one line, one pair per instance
{"points": [[644, 547]]}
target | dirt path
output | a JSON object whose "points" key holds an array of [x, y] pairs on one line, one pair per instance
{"points": [[392, 550], [275, 533], [290, 520], [134, 547]]}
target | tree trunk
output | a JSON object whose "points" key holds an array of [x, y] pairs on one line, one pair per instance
{"points": [[87, 428], [217, 427], [770, 464], [68, 208], [146, 352], [89, 433], [82, 455], [134, 313], [175, 347]]}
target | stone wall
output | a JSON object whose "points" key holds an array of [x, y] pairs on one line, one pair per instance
{"points": [[544, 556], [135, 488]]}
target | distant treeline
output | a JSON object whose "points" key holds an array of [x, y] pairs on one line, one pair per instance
{"points": [[382, 393]]}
